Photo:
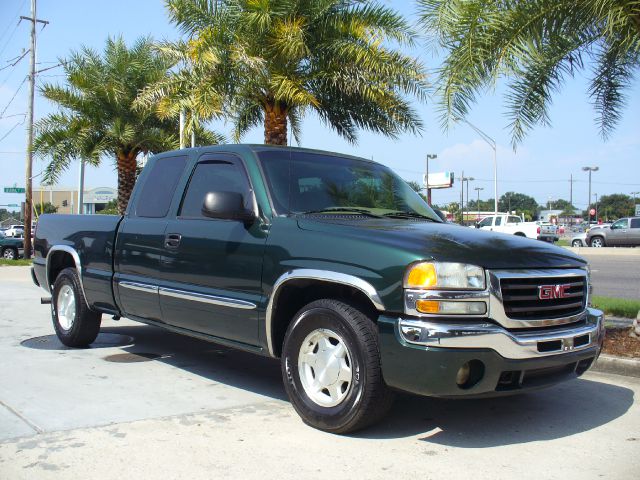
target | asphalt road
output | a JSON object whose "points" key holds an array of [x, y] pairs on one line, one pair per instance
{"points": [[159, 405], [615, 276]]}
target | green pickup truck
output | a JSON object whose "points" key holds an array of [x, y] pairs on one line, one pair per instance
{"points": [[11, 248], [334, 265]]}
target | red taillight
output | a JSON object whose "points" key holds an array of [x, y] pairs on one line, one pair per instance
{"points": [[538, 230]]}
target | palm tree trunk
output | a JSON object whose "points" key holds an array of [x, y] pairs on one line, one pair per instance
{"points": [[126, 178], [275, 124]]}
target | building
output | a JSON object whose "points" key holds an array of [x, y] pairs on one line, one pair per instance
{"points": [[66, 199]]}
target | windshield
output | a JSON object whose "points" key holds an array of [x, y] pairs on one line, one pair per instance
{"points": [[316, 182]]}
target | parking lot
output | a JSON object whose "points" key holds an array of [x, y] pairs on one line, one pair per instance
{"points": [[151, 404]]}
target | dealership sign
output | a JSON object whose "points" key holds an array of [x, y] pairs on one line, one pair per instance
{"points": [[438, 180]]}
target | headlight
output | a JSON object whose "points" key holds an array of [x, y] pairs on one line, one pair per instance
{"points": [[444, 275]]}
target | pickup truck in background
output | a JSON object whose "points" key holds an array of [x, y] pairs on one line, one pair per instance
{"points": [[514, 225], [334, 265], [11, 248]]}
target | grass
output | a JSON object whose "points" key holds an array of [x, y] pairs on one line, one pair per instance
{"points": [[14, 263], [563, 243], [618, 307]]}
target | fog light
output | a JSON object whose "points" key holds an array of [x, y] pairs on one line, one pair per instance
{"points": [[451, 308], [462, 377]]}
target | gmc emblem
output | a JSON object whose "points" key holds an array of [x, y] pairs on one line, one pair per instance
{"points": [[549, 292]]}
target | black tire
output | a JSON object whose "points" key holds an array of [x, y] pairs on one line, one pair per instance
{"points": [[10, 253], [86, 323], [368, 398]]}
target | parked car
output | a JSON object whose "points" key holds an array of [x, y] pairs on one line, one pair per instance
{"points": [[579, 240], [506, 223], [14, 231], [622, 233], [334, 265], [10, 248]]}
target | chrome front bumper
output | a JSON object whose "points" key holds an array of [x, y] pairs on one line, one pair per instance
{"points": [[474, 334]]}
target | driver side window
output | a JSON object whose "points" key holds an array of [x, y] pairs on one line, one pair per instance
{"points": [[624, 223]]}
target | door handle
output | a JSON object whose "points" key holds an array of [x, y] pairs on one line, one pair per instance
{"points": [[172, 240]]}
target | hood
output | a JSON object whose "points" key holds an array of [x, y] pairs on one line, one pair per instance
{"points": [[446, 242]]}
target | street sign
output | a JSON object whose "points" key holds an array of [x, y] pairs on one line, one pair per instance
{"points": [[638, 210], [14, 190]]}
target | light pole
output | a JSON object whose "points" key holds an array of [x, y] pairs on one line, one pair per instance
{"points": [[596, 195], [477, 189], [465, 179], [589, 169], [492, 143], [430, 156]]}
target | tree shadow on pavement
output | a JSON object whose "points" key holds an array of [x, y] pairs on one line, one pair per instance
{"points": [[559, 411]]}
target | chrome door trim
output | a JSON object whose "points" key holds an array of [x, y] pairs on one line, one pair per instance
{"points": [[140, 287], [210, 299], [319, 275]]}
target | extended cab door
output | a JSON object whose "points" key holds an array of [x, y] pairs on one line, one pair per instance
{"points": [[633, 237], [212, 268], [140, 240]]}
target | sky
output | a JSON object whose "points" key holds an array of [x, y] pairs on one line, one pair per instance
{"points": [[540, 167]]}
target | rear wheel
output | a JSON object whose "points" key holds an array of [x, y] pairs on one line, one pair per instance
{"points": [[76, 325], [10, 253], [331, 368], [576, 243], [597, 242]]}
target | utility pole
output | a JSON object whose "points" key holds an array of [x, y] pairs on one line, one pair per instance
{"points": [[571, 198], [28, 208]]}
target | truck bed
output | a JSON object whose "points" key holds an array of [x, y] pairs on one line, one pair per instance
{"points": [[93, 238]]}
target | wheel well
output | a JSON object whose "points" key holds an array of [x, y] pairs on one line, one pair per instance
{"points": [[295, 294], [519, 234], [59, 261]]}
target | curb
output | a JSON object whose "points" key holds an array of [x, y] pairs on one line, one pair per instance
{"points": [[588, 251], [617, 365]]}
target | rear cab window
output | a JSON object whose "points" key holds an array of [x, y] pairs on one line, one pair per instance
{"points": [[159, 187]]}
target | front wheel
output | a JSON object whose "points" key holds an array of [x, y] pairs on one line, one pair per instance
{"points": [[331, 368], [76, 325], [576, 243], [10, 253], [597, 242]]}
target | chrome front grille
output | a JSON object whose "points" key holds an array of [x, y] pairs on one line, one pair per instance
{"points": [[514, 300], [521, 297]]}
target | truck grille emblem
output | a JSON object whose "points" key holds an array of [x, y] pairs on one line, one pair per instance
{"points": [[550, 292]]}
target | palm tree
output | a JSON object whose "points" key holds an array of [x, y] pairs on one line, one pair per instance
{"points": [[96, 115], [536, 44], [270, 62]]}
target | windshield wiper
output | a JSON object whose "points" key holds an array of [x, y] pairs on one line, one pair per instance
{"points": [[407, 214], [361, 211]]}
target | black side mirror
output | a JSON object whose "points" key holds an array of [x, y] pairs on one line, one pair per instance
{"points": [[226, 206]]}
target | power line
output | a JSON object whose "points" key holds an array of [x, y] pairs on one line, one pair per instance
{"points": [[14, 16], [12, 98], [11, 130], [16, 62]]}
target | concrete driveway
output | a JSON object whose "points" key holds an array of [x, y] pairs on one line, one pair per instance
{"points": [[150, 404]]}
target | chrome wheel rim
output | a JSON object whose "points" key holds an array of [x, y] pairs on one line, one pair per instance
{"points": [[66, 307], [596, 243], [576, 244], [8, 254], [324, 367]]}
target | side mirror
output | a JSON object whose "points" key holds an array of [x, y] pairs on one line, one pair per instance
{"points": [[477, 224], [226, 206]]}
